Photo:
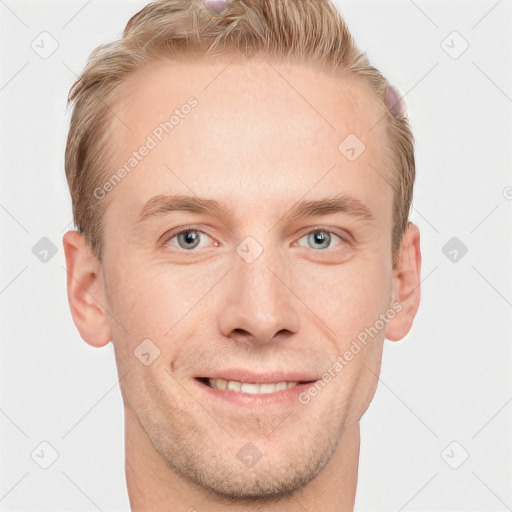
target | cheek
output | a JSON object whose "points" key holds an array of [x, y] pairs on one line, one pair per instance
{"points": [[353, 298], [155, 301], [359, 312], [132, 311]]}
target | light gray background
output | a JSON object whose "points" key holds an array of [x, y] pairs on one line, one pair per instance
{"points": [[449, 380]]}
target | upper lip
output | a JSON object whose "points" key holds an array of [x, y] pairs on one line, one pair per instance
{"points": [[249, 376]]}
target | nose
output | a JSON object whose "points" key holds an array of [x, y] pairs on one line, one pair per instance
{"points": [[259, 306]]}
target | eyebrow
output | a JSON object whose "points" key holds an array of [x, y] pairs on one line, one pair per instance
{"points": [[163, 204]]}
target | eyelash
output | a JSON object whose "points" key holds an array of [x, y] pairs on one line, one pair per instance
{"points": [[315, 229]]}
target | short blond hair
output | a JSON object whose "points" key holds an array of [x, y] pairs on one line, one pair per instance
{"points": [[307, 31]]}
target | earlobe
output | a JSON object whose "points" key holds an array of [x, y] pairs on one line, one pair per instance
{"points": [[85, 289], [406, 285]]}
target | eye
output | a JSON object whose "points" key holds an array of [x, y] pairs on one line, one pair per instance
{"points": [[187, 239], [321, 239]]}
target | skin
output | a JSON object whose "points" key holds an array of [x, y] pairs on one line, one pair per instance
{"points": [[254, 144]]}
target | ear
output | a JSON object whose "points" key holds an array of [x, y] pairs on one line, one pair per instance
{"points": [[86, 294], [406, 284]]}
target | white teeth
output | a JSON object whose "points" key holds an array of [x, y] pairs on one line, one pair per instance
{"points": [[267, 388], [233, 385], [250, 388], [221, 383]]}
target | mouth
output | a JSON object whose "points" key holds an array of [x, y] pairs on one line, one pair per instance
{"points": [[277, 394], [251, 388]]}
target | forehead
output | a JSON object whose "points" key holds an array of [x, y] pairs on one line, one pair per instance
{"points": [[257, 131]]}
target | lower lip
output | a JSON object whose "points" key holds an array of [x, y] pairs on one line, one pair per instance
{"points": [[283, 397]]}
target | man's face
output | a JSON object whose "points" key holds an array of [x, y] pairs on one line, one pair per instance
{"points": [[280, 305]]}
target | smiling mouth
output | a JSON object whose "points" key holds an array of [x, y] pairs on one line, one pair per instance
{"points": [[251, 388]]}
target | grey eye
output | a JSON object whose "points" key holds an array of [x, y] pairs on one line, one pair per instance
{"points": [[188, 239], [319, 237]]}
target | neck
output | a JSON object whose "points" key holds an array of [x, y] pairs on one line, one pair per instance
{"points": [[153, 485]]}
